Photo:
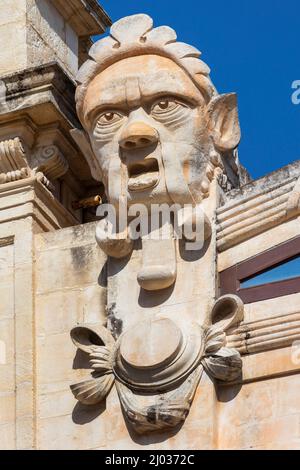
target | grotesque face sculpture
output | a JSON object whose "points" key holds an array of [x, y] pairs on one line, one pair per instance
{"points": [[155, 132], [145, 119], [157, 127]]}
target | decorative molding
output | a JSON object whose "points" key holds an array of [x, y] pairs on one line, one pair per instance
{"points": [[47, 162], [257, 213], [264, 335], [12, 156], [222, 363], [165, 411], [36, 202], [3, 104], [99, 346], [86, 17], [14, 175], [224, 182], [156, 389], [293, 203], [13, 161], [43, 86], [270, 364], [44, 181]]}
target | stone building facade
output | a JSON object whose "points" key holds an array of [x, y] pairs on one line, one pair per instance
{"points": [[186, 349]]}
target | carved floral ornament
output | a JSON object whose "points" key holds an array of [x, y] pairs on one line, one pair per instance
{"points": [[165, 373], [155, 131]]}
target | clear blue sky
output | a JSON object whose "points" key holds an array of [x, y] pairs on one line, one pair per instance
{"points": [[253, 49]]}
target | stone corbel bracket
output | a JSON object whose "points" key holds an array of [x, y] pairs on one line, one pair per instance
{"points": [[13, 162], [46, 163], [49, 161], [156, 390]]}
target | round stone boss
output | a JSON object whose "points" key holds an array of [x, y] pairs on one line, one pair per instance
{"points": [[151, 344]]}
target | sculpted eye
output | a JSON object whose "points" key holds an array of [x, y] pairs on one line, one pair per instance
{"points": [[109, 117], [164, 106]]}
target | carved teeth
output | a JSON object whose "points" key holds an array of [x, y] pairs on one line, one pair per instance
{"points": [[143, 174], [139, 183]]}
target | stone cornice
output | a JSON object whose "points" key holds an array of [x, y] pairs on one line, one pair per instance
{"points": [[86, 17], [259, 206], [37, 85], [255, 187], [40, 110], [36, 202]]}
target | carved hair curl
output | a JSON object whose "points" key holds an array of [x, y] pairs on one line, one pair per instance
{"points": [[134, 35]]}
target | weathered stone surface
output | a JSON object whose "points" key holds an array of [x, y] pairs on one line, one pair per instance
{"points": [[40, 32], [167, 106], [143, 313]]}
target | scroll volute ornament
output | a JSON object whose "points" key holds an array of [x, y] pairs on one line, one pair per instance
{"points": [[98, 344], [221, 363]]}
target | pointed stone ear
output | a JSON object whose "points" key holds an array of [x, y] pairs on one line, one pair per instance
{"points": [[82, 140], [224, 122]]}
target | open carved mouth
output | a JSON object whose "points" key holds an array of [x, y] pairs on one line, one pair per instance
{"points": [[143, 174]]}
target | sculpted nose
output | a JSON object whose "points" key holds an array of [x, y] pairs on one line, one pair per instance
{"points": [[138, 135]]}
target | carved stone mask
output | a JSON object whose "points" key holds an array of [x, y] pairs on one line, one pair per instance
{"points": [[146, 127], [156, 125], [156, 132]]}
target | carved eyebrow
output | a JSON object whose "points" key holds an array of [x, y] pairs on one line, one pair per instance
{"points": [[124, 107], [114, 97], [170, 95]]}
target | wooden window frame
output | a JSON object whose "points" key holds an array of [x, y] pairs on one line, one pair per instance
{"points": [[231, 278]]}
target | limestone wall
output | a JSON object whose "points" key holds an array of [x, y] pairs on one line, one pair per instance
{"points": [[54, 278], [50, 36], [16, 335], [70, 272], [35, 33], [69, 290], [262, 412], [7, 328], [13, 34], [25, 211]]}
